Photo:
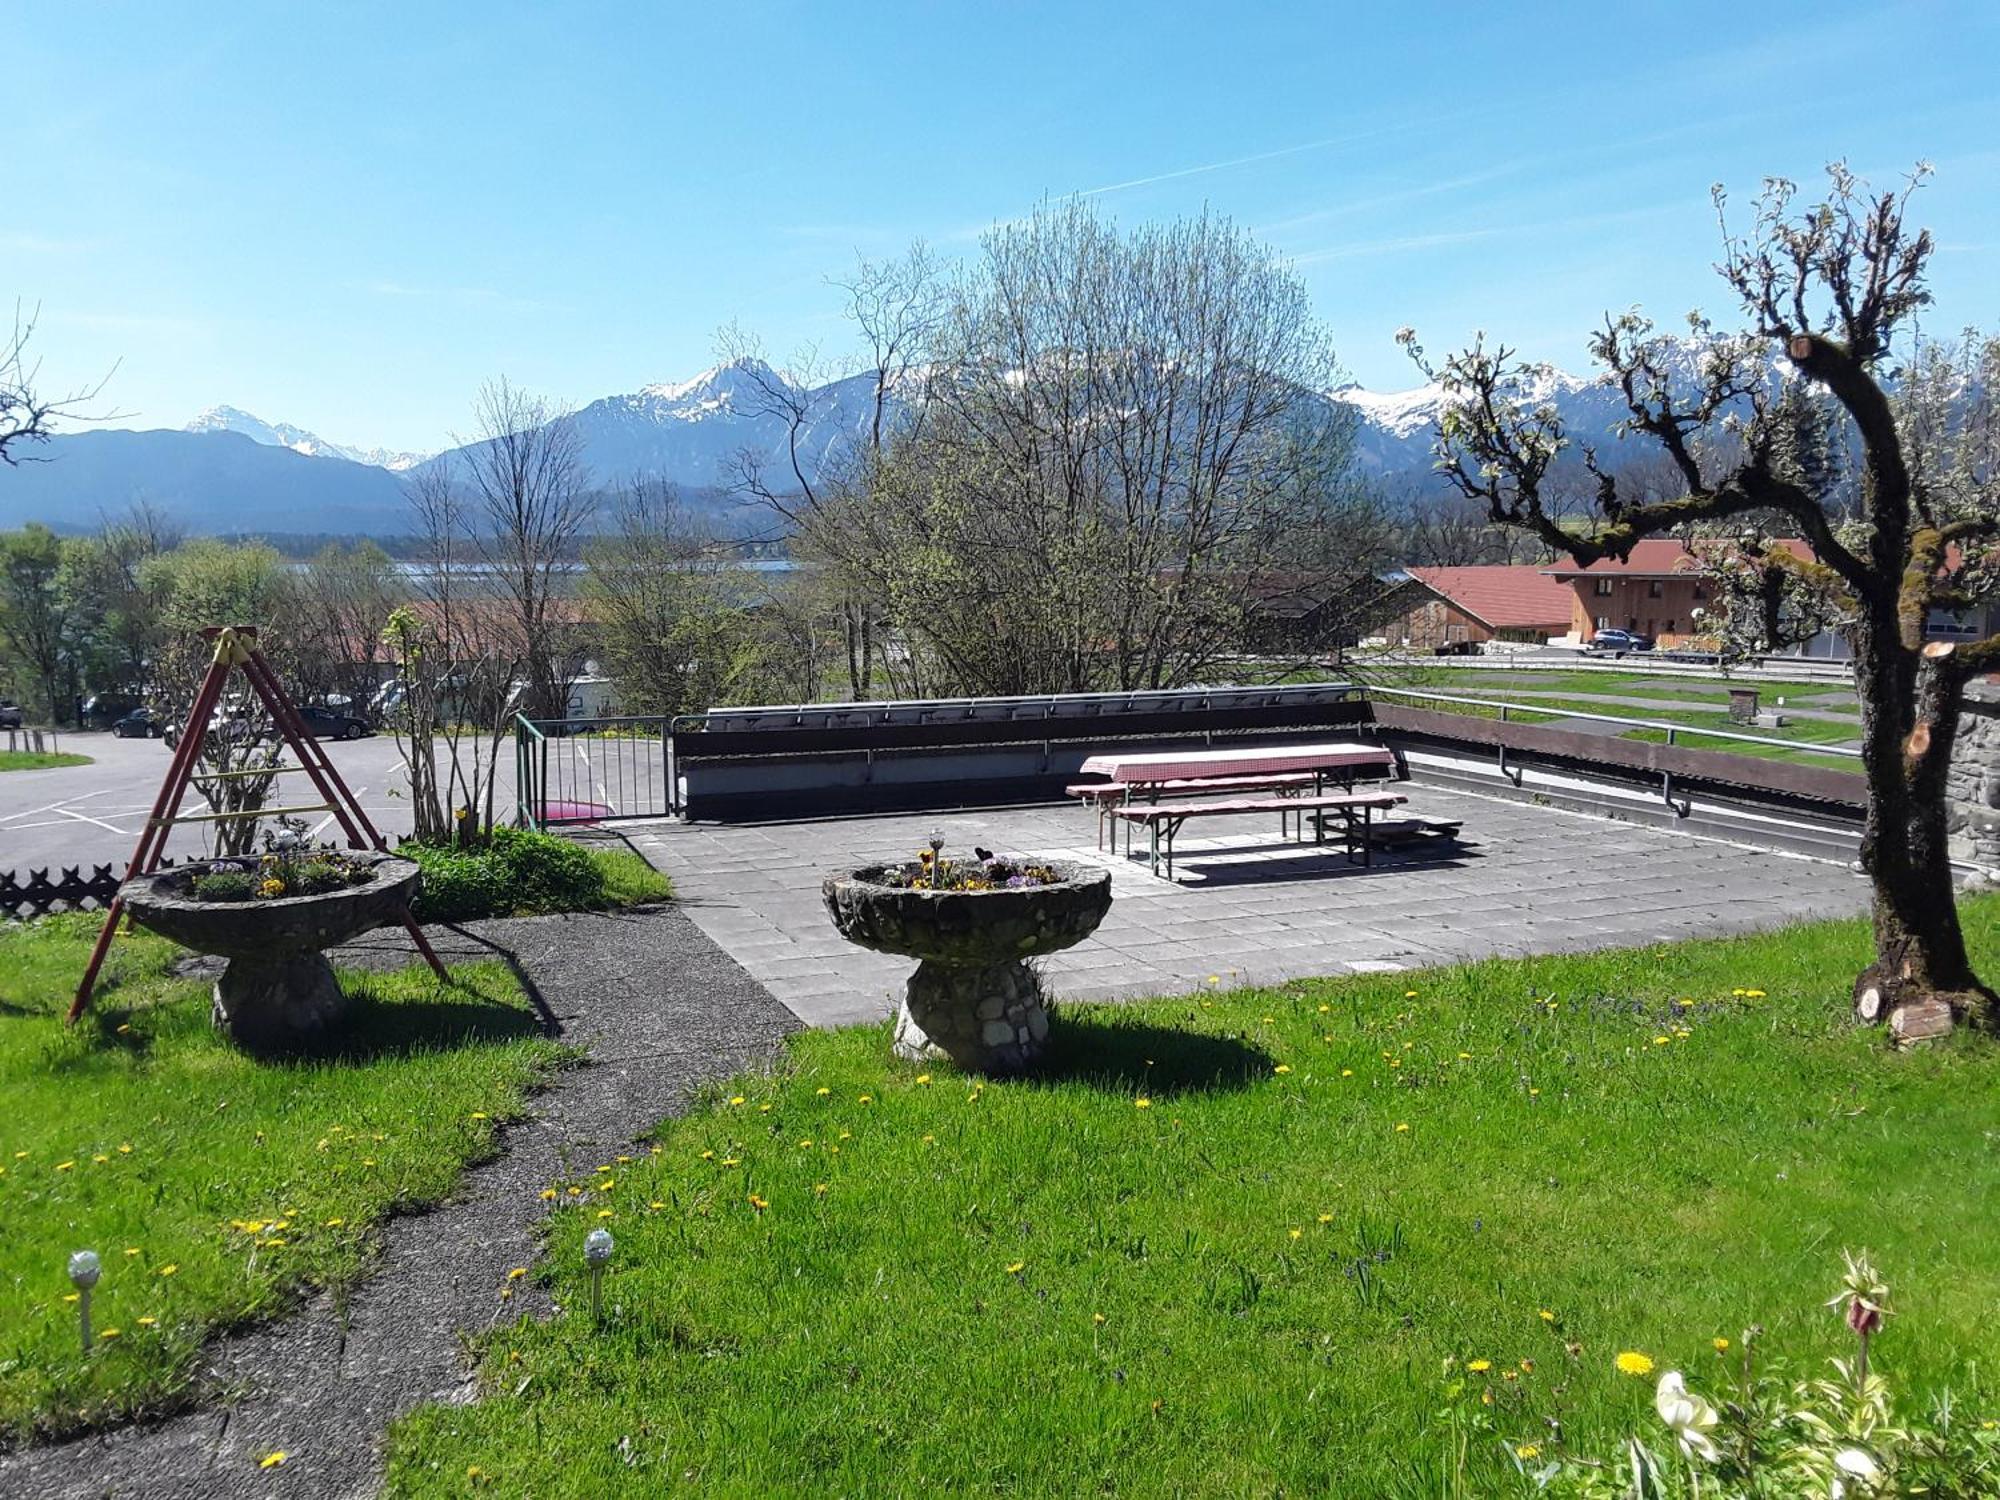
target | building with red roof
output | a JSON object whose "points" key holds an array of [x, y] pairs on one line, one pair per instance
{"points": [[1504, 602]]}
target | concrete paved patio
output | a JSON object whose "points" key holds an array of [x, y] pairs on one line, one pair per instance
{"points": [[1247, 907]]}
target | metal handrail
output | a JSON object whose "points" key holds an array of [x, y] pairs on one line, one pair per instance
{"points": [[1672, 730], [529, 777]]}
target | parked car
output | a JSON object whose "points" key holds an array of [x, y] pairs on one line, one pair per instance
{"points": [[1620, 641], [102, 710], [10, 714], [331, 724], [1456, 648], [140, 724]]}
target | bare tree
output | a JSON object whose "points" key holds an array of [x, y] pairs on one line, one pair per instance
{"points": [[1826, 289], [667, 601], [345, 594], [526, 472], [459, 654], [28, 415]]}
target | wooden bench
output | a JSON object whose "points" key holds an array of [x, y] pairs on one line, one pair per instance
{"points": [[1103, 796], [1355, 811]]}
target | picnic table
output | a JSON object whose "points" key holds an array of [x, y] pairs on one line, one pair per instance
{"points": [[1286, 769]]}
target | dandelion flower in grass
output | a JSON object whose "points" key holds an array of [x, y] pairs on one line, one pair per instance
{"points": [[708, 1156], [865, 1099], [1295, 1233], [928, 1139], [100, 1158], [70, 1296], [1527, 1367], [131, 1250], [1142, 1103], [1527, 1450], [336, 1223], [1661, 1041], [1632, 1362], [822, 1092], [479, 1114], [819, 1190], [1479, 1366], [1465, 1057], [806, 1144], [735, 1099], [1098, 1319], [146, 1322], [548, 1194], [1282, 1068], [169, 1269], [1753, 994], [1721, 1345], [604, 1213], [1014, 1268], [517, 1273], [1409, 994], [64, 1166], [923, 1078], [272, 1460], [574, 1191], [1401, 1127], [758, 1203], [731, 1161], [1347, 1072], [1325, 1218], [108, 1333], [656, 1205]]}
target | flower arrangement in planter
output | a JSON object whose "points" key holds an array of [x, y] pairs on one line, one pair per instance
{"points": [[278, 874], [973, 999]]}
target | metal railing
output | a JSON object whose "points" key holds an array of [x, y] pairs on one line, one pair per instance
{"points": [[588, 770], [1672, 730]]}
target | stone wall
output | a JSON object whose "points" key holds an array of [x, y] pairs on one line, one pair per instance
{"points": [[1973, 791]]}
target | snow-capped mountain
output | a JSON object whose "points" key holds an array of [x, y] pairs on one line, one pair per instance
{"points": [[694, 432], [285, 435]]}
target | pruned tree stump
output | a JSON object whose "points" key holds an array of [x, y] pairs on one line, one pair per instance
{"points": [[1920, 1021]]}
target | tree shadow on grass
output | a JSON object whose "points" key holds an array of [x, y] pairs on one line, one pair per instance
{"points": [[374, 1029], [1100, 1047]]}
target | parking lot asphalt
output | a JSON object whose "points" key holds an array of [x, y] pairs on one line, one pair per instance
{"points": [[88, 815]]}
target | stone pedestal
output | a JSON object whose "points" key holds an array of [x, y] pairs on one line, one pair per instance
{"points": [[1972, 786], [277, 1005], [973, 999], [984, 1019]]}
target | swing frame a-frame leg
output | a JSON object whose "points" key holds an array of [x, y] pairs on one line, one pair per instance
{"points": [[237, 647]]}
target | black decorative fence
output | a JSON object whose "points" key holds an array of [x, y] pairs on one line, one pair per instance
{"points": [[21, 899]]}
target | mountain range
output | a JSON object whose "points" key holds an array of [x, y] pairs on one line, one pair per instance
{"points": [[228, 471]]}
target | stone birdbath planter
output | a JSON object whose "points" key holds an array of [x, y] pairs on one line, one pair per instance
{"points": [[972, 999], [277, 990]]}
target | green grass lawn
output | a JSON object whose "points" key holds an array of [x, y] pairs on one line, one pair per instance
{"points": [[39, 760], [1838, 696], [1250, 1243], [214, 1188], [628, 879]]}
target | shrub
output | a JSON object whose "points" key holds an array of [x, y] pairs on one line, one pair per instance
{"points": [[517, 871], [223, 885]]}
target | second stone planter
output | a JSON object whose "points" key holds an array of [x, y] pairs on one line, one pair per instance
{"points": [[973, 1000]]}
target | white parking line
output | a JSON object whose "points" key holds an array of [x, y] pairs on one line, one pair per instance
{"points": [[86, 818], [53, 806]]}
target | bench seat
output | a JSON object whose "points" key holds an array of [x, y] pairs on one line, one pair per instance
{"points": [[1354, 810]]}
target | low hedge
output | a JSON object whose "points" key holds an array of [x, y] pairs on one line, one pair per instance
{"points": [[519, 872]]}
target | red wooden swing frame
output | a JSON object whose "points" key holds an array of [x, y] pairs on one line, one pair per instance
{"points": [[236, 646]]}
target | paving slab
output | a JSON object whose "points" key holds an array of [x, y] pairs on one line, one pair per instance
{"points": [[1246, 905]]}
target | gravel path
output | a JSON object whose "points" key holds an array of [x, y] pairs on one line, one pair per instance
{"points": [[659, 1009]]}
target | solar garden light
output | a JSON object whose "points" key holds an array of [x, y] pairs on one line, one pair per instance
{"points": [[597, 1254], [83, 1274], [937, 856]]}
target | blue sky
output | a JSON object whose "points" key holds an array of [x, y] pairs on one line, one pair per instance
{"points": [[348, 216]]}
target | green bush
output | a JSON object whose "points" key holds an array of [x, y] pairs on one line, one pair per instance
{"points": [[517, 872], [223, 885], [458, 884]]}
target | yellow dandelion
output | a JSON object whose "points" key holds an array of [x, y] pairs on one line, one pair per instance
{"points": [[1282, 1068], [823, 1092], [517, 1273], [731, 1161], [64, 1166], [108, 1333], [69, 1296], [1527, 1367], [1661, 1041], [100, 1158], [272, 1460], [819, 1190], [1632, 1362], [923, 1078], [708, 1156], [928, 1139], [168, 1270], [1409, 994], [656, 1205], [1295, 1233], [1347, 1072], [735, 1099], [1098, 1319], [131, 1250], [758, 1203], [1014, 1268], [479, 1114], [1401, 1127], [574, 1191], [1325, 1218], [1547, 1316], [335, 1223], [1527, 1450], [1465, 1057], [1753, 994], [806, 1144], [604, 1213], [1721, 1345], [1142, 1103], [1534, 1093], [146, 1322], [1479, 1366], [865, 1099], [548, 1194]]}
